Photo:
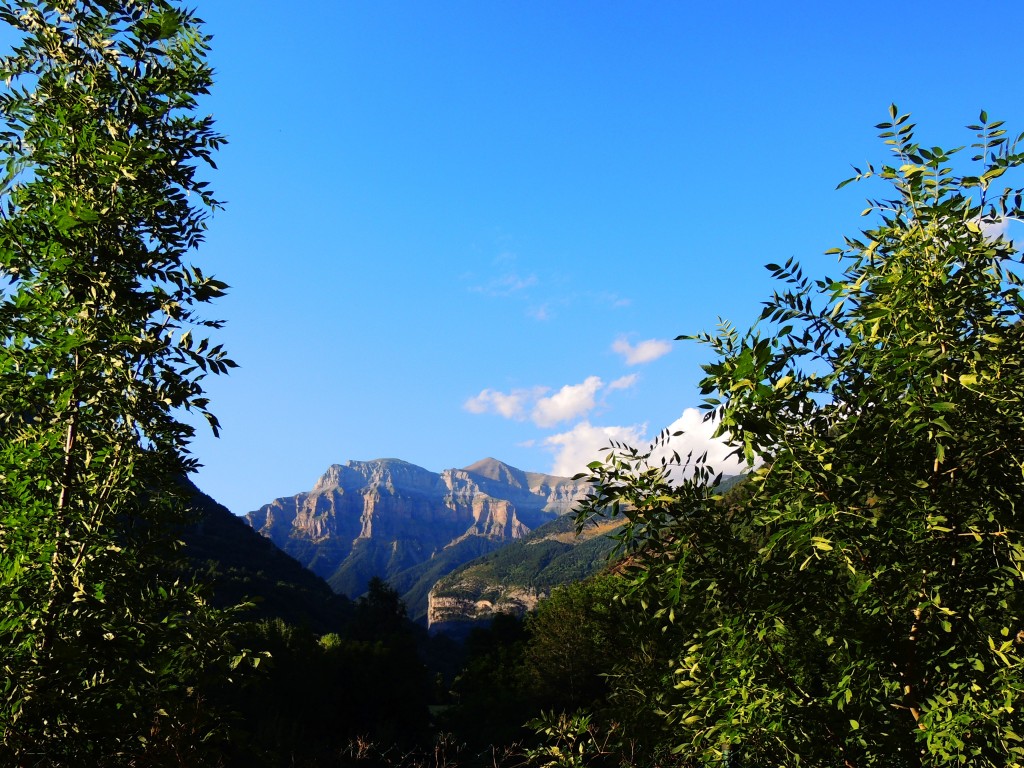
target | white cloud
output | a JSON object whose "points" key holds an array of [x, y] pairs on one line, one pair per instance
{"points": [[585, 443], [573, 401], [993, 230], [613, 300], [511, 405], [541, 313], [644, 352], [570, 402], [624, 383], [506, 285], [696, 438]]}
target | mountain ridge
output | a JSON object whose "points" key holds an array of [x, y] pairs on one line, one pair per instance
{"points": [[240, 565], [398, 521]]}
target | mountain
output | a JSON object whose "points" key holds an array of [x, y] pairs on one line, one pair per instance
{"points": [[407, 525], [512, 579], [241, 565]]}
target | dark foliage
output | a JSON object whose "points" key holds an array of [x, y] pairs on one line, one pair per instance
{"points": [[243, 567]]}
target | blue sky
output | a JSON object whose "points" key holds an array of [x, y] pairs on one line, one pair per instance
{"points": [[466, 229]]}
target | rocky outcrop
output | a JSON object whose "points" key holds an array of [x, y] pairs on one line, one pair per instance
{"points": [[386, 517], [446, 613]]}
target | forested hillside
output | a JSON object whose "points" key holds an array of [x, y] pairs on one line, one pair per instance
{"points": [[242, 566], [514, 578]]}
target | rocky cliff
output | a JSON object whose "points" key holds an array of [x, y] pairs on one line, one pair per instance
{"points": [[450, 613], [393, 519]]}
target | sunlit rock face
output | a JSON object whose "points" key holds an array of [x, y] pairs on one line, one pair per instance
{"points": [[384, 517], [450, 612]]}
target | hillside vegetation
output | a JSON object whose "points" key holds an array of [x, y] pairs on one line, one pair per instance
{"points": [[512, 579]]}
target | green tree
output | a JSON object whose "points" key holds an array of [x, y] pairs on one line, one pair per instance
{"points": [[380, 614], [379, 649], [103, 648], [862, 604], [493, 692], [573, 636]]}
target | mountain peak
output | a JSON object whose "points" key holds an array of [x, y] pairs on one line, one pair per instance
{"points": [[499, 471], [382, 462], [353, 475]]}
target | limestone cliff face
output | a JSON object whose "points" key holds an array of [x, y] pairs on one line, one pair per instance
{"points": [[380, 518], [449, 612]]}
